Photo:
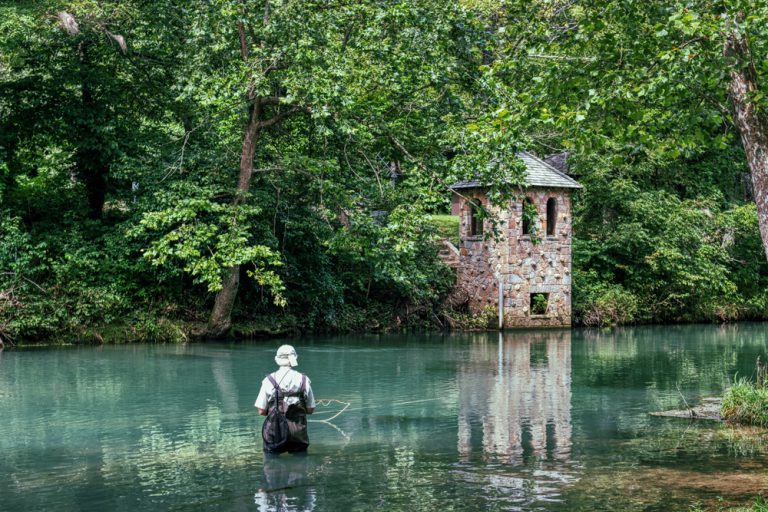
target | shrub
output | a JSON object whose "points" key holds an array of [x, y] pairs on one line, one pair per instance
{"points": [[746, 403], [598, 303], [484, 320]]}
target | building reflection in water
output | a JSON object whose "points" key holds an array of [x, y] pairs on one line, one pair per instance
{"points": [[515, 397]]}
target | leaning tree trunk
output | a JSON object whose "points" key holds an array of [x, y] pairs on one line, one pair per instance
{"points": [[221, 316], [750, 121], [220, 320]]}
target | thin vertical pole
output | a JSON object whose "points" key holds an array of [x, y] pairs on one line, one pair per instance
{"points": [[501, 304]]}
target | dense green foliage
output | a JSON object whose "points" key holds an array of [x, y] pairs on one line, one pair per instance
{"points": [[637, 93], [655, 242], [122, 128], [121, 139]]}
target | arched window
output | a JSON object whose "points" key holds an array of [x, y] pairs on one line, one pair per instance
{"points": [[530, 215], [475, 218], [551, 216]]}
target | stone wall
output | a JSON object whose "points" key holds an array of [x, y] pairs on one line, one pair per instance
{"points": [[524, 267]]}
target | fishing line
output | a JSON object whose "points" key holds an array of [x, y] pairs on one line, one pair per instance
{"points": [[329, 401], [416, 401], [381, 406], [326, 403]]}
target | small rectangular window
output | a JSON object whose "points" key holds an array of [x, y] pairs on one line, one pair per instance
{"points": [[539, 303]]}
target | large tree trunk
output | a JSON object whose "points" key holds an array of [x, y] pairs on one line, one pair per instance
{"points": [[220, 320], [750, 121], [92, 167], [92, 163], [221, 316]]}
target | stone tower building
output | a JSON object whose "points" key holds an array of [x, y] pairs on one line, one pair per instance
{"points": [[531, 258]]}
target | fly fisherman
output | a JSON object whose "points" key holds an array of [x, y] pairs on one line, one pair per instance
{"points": [[285, 398]]}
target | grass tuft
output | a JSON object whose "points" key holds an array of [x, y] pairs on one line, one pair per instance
{"points": [[746, 403], [760, 505]]}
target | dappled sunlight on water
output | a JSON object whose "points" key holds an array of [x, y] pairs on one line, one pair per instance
{"points": [[527, 420]]}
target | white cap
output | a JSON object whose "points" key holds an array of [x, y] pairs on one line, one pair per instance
{"points": [[286, 356]]}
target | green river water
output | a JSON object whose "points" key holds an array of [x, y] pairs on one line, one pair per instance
{"points": [[525, 420]]}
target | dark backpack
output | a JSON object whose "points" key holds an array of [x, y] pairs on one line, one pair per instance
{"points": [[276, 430]]}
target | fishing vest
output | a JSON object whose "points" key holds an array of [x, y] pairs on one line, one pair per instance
{"points": [[285, 428]]}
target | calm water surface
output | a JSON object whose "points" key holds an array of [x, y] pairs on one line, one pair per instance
{"points": [[528, 420]]}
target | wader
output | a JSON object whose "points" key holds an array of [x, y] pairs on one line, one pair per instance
{"points": [[295, 414]]}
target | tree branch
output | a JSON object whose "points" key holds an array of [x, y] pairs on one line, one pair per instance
{"points": [[271, 100], [423, 167], [243, 41], [282, 115], [25, 279], [560, 57]]}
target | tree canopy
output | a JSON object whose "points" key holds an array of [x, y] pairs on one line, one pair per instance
{"points": [[273, 159]]}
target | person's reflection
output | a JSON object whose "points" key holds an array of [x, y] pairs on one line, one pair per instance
{"points": [[285, 484], [518, 392]]}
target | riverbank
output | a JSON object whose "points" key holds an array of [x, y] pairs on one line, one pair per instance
{"points": [[162, 330]]}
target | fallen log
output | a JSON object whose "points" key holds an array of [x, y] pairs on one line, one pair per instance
{"points": [[709, 409]]}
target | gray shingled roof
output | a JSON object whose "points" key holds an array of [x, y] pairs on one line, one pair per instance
{"points": [[540, 174]]}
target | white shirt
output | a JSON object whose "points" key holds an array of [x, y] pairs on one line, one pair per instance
{"points": [[289, 381]]}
